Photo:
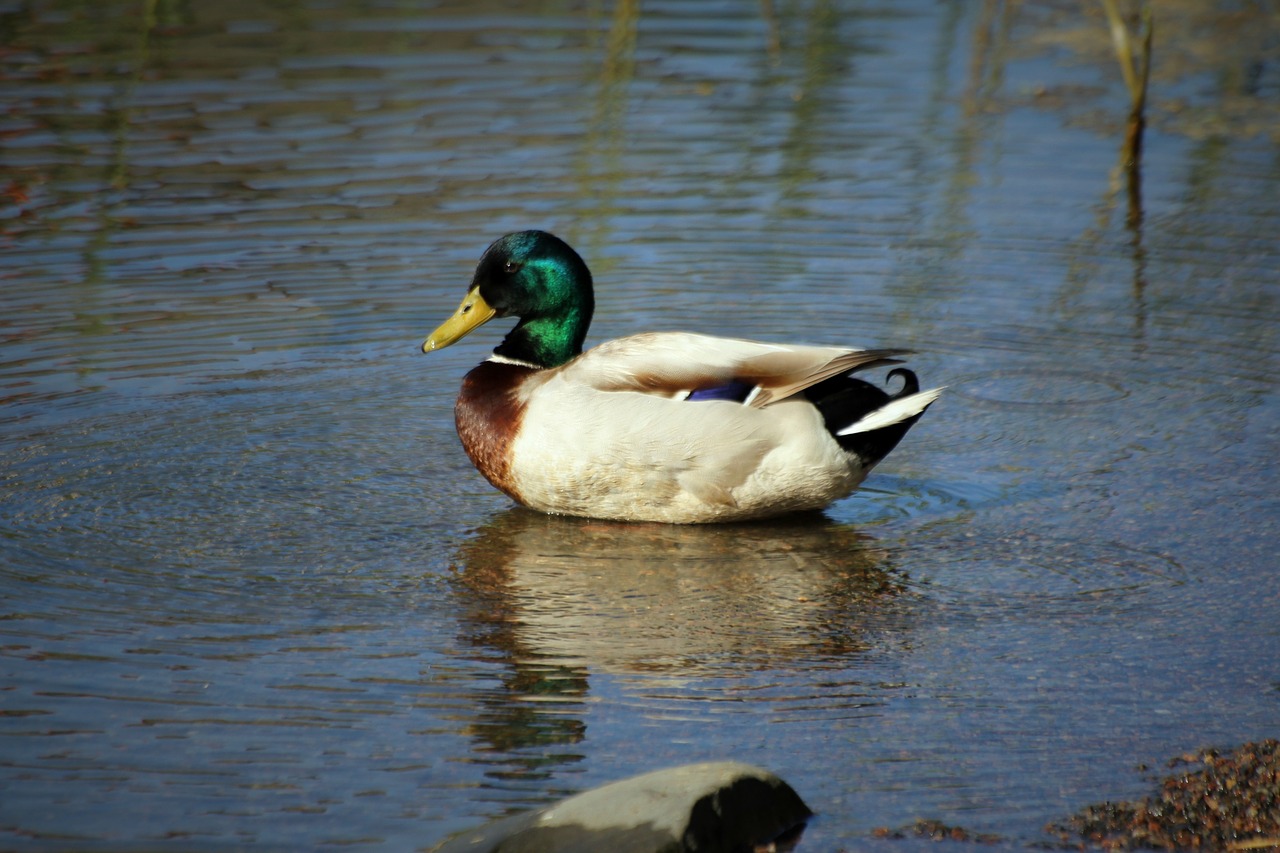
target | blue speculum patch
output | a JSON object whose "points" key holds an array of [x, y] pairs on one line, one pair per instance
{"points": [[736, 391]]}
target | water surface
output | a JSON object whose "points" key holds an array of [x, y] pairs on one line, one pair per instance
{"points": [[255, 595]]}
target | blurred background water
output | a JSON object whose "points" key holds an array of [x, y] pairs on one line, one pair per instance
{"points": [[254, 595]]}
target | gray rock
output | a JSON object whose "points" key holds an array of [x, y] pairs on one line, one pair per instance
{"points": [[718, 807]]}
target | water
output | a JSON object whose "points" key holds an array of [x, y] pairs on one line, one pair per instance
{"points": [[255, 595]]}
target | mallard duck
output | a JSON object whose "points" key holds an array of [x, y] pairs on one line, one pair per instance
{"points": [[659, 426]]}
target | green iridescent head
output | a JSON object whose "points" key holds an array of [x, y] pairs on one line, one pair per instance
{"points": [[537, 277]]}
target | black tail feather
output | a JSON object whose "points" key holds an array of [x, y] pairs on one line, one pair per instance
{"points": [[844, 400]]}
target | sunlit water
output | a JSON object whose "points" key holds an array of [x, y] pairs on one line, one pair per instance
{"points": [[254, 594]]}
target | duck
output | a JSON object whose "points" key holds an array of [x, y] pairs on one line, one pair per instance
{"points": [[672, 427]]}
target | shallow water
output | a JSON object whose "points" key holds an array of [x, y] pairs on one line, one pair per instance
{"points": [[254, 594]]}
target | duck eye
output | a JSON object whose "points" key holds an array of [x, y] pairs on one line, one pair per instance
{"points": [[511, 267]]}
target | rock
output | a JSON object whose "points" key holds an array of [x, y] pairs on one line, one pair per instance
{"points": [[717, 807]]}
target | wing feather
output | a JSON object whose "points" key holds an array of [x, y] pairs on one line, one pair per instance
{"points": [[673, 364]]}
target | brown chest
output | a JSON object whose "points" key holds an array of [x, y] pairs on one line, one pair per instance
{"points": [[488, 416]]}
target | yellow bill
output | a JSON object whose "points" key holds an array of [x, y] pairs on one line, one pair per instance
{"points": [[471, 314]]}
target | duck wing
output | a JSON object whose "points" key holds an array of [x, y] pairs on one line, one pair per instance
{"points": [[679, 364]]}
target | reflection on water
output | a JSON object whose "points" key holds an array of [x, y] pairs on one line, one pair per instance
{"points": [[620, 597], [253, 593], [562, 604]]}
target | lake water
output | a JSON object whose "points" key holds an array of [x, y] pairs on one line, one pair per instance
{"points": [[252, 593]]}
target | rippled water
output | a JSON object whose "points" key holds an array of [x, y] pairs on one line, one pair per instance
{"points": [[254, 594]]}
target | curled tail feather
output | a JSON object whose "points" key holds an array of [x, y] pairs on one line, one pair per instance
{"points": [[866, 420]]}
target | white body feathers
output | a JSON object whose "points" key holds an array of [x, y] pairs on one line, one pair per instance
{"points": [[610, 434]]}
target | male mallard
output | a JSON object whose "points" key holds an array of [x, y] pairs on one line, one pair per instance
{"points": [[661, 426]]}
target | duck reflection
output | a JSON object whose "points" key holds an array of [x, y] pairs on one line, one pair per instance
{"points": [[556, 599], [641, 597]]}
